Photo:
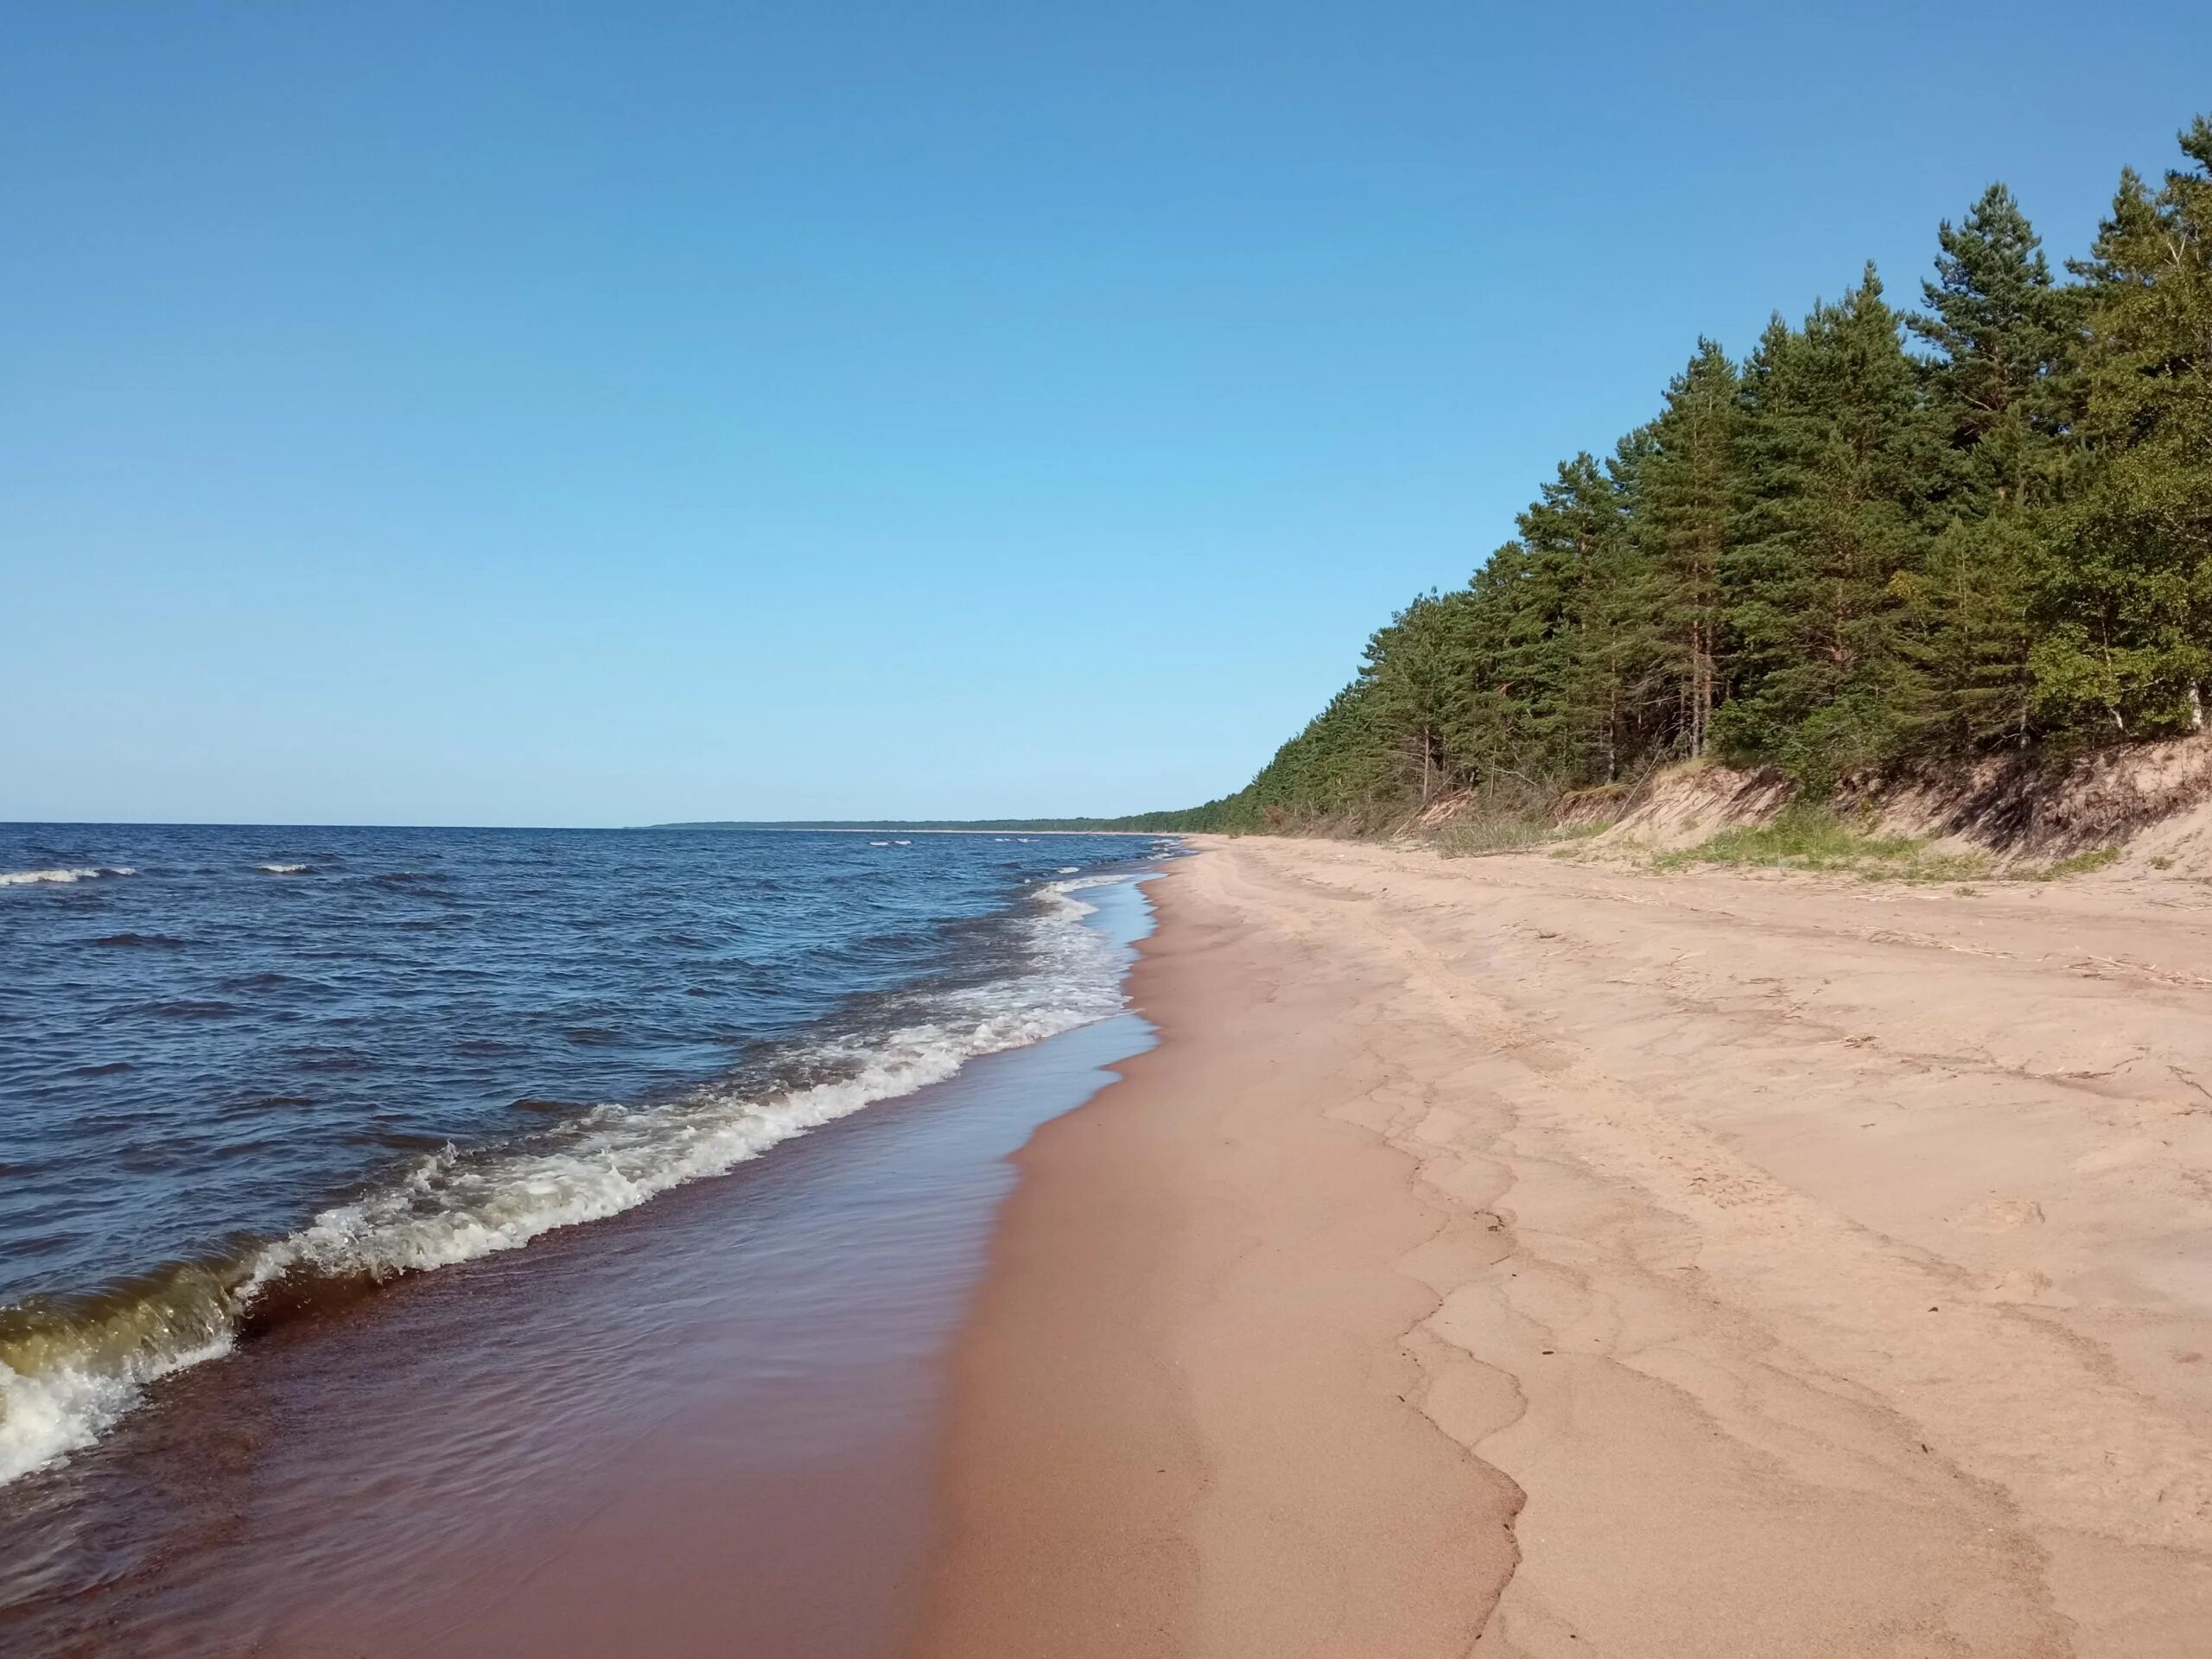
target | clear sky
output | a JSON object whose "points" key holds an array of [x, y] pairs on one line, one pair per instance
{"points": [[562, 414]]}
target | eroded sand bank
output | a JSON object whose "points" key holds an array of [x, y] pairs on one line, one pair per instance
{"points": [[1513, 1256]]}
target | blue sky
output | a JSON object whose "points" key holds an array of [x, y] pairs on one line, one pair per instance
{"points": [[454, 413]]}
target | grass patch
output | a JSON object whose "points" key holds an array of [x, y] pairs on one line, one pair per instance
{"points": [[1470, 838], [1811, 837], [1465, 839], [1803, 837], [2080, 864]]}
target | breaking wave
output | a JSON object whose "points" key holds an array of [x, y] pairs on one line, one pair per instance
{"points": [[70, 1367], [29, 878]]}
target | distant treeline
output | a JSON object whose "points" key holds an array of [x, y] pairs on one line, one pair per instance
{"points": [[1881, 537]]}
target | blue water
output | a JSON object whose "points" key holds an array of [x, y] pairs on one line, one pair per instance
{"points": [[239, 1066]]}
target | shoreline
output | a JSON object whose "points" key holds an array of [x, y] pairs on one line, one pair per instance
{"points": [[709, 1414], [1137, 1412], [1540, 1259]]}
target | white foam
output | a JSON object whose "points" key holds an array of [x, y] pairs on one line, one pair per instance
{"points": [[284, 869], [26, 878], [46, 1416], [453, 1206]]}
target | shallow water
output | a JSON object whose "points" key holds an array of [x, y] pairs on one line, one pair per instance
{"points": [[249, 1076], [707, 1427]]}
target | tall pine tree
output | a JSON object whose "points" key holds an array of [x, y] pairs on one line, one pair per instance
{"points": [[1688, 504], [2126, 611], [1839, 555], [2000, 330], [1842, 464]]}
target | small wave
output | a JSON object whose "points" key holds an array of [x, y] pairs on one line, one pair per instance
{"points": [[29, 878], [142, 941], [193, 1009], [878, 843], [326, 1057], [285, 869], [261, 982], [1069, 869], [69, 1370]]}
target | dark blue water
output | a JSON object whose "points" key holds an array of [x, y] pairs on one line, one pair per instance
{"points": [[239, 1067]]}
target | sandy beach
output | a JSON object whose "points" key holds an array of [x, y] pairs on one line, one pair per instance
{"points": [[1511, 1255]]}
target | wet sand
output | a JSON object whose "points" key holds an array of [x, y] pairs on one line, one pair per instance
{"points": [[1516, 1256]]}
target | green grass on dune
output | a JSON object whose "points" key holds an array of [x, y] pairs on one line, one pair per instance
{"points": [[1813, 838]]}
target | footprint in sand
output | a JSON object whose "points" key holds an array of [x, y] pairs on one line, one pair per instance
{"points": [[2019, 1285], [2001, 1215]]}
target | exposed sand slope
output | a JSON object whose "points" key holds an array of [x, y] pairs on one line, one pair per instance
{"points": [[1829, 1264], [2139, 802]]}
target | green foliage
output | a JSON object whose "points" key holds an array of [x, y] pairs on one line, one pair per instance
{"points": [[1687, 506], [2083, 863], [1472, 837], [1806, 836], [1842, 464], [2126, 606], [2001, 331], [1835, 557]]}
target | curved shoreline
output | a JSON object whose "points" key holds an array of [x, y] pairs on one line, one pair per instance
{"points": [[1515, 1257], [1185, 1419], [704, 1419]]}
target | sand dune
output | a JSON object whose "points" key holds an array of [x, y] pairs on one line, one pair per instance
{"points": [[1514, 1256]]}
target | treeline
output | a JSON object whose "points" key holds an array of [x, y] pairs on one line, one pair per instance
{"points": [[1881, 537]]}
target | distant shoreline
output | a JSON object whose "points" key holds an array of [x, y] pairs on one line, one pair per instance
{"points": [[847, 828]]}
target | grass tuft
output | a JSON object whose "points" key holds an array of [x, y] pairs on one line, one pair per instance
{"points": [[2080, 864], [1804, 837], [1472, 837]]}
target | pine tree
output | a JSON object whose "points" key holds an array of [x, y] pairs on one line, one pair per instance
{"points": [[1686, 509], [1972, 634], [1617, 670], [1838, 555], [1557, 624], [1336, 767], [1419, 681], [2127, 609], [2001, 331], [1495, 729], [1842, 462]]}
